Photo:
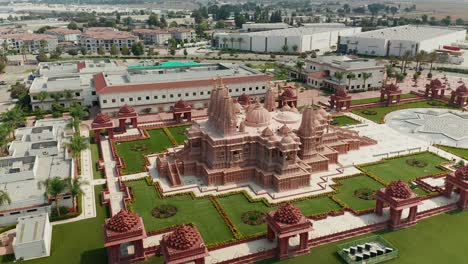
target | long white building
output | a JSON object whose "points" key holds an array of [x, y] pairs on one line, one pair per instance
{"points": [[395, 41], [302, 39]]}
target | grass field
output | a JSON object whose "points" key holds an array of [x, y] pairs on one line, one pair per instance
{"points": [[344, 121], [461, 152], [97, 174], [134, 160], [179, 133], [77, 242], [349, 185], [201, 212], [396, 168], [384, 110], [377, 99], [439, 239]]}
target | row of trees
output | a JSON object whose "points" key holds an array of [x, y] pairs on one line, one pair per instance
{"points": [[351, 76]]}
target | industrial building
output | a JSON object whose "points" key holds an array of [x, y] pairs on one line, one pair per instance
{"points": [[396, 41], [295, 40]]}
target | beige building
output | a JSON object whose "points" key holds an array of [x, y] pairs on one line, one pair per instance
{"points": [[97, 38], [162, 36], [31, 42], [64, 34]]}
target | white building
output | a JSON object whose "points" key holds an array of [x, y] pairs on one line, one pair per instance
{"points": [[94, 38], [64, 34], [162, 36], [73, 76], [253, 27], [395, 41], [36, 154], [320, 71], [33, 237], [32, 43], [296, 40], [158, 88]]}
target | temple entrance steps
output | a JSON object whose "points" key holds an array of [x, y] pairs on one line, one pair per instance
{"points": [[349, 134], [174, 174]]}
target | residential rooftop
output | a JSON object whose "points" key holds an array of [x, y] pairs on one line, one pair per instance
{"points": [[27, 36]]}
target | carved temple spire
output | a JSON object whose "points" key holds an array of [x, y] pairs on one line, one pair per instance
{"points": [[270, 99]]}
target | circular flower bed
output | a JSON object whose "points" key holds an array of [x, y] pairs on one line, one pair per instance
{"points": [[139, 148], [164, 211], [416, 163], [435, 103], [369, 112], [253, 218], [365, 193]]}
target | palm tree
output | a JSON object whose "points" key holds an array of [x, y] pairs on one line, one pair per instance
{"points": [[76, 111], [4, 198], [300, 66], [285, 48], [74, 123], [420, 57], [24, 50], [240, 40], [232, 39], [14, 118], [225, 40], [339, 76], [295, 47], [68, 94], [75, 188], [77, 144], [54, 187], [42, 96], [350, 76], [432, 57], [405, 59], [390, 72], [400, 77], [365, 76]]}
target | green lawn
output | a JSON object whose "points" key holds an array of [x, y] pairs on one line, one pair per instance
{"points": [[77, 242], [201, 212], [237, 204], [97, 174], [349, 185], [461, 152], [344, 121], [178, 132], [377, 99], [384, 110], [396, 168], [439, 239], [134, 160]]}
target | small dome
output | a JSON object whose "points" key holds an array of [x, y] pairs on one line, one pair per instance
{"points": [[462, 173], [257, 116], [288, 214], [181, 104], [341, 92], [183, 237], [286, 117], [267, 132], [398, 189], [243, 99], [286, 108], [462, 89], [123, 221], [284, 130], [101, 118], [126, 109], [288, 92], [287, 140]]}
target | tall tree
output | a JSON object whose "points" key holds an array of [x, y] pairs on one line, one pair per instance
{"points": [[431, 58], [4, 198], [54, 187], [76, 188], [365, 76], [350, 76]]}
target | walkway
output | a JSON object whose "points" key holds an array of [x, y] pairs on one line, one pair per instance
{"points": [[115, 196]]}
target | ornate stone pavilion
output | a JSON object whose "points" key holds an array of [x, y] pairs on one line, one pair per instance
{"points": [[102, 122], [278, 149], [435, 89], [127, 112], [459, 97], [123, 237], [390, 94], [182, 110], [285, 223], [340, 99], [399, 196], [288, 97], [459, 181], [184, 245]]}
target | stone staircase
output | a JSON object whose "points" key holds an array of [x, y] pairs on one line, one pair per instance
{"points": [[174, 174], [350, 134]]}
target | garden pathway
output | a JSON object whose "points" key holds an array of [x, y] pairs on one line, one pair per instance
{"points": [[115, 195]]}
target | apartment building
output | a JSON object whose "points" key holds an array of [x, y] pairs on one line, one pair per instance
{"points": [[92, 40], [29, 42], [162, 36], [64, 34]]}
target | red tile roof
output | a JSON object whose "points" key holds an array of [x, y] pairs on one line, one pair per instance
{"points": [[102, 88]]}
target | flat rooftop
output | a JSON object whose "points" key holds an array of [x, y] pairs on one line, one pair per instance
{"points": [[409, 32], [30, 228], [162, 65], [346, 62], [300, 31]]}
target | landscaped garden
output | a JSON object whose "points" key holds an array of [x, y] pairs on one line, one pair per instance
{"points": [[97, 174], [357, 192], [377, 114], [377, 99], [133, 152], [344, 121], [461, 152]]}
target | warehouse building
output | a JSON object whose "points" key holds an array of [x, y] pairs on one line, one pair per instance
{"points": [[297, 40], [396, 41]]}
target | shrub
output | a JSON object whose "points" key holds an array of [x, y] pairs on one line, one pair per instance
{"points": [[164, 211], [365, 193], [253, 218], [416, 163], [369, 112]]}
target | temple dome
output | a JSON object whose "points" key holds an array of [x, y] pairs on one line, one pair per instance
{"points": [[126, 109], [285, 108], [286, 117], [462, 173], [181, 104], [288, 214], [122, 222], [183, 237], [267, 132], [101, 118], [462, 89], [287, 140], [288, 92], [257, 116], [284, 130], [398, 189]]}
